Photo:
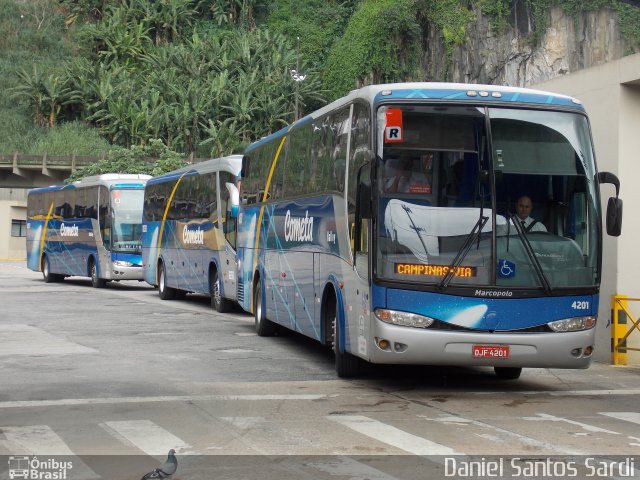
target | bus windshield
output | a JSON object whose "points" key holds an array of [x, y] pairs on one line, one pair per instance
{"points": [[126, 207], [486, 197]]}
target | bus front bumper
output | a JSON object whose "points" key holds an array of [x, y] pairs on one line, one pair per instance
{"points": [[127, 273], [416, 346]]}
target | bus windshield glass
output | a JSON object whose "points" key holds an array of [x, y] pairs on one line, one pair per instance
{"points": [[486, 197], [126, 207]]}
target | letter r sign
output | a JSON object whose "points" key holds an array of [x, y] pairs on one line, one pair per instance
{"points": [[393, 134], [393, 127]]}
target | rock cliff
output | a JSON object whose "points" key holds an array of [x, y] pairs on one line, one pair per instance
{"points": [[512, 57]]}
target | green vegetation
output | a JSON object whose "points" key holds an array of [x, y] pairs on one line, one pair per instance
{"points": [[134, 159], [206, 77], [379, 45]]}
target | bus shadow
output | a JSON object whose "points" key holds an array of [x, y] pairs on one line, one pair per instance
{"points": [[423, 378], [126, 285], [420, 378]]}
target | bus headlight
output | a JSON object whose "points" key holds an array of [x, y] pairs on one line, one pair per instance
{"points": [[404, 319], [574, 324], [122, 263]]}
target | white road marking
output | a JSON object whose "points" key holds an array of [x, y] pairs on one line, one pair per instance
{"points": [[572, 393], [508, 435], [178, 398], [346, 467], [244, 423], [147, 436], [20, 339], [36, 440], [633, 417], [42, 440], [552, 418], [392, 436]]}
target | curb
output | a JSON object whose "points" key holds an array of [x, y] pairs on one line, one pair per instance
{"points": [[11, 259]]}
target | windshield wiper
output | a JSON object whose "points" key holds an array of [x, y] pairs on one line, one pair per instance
{"points": [[531, 254], [464, 250]]}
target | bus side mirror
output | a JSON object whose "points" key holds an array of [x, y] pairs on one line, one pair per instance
{"points": [[614, 206], [614, 217], [364, 199], [234, 199], [244, 173], [364, 207]]}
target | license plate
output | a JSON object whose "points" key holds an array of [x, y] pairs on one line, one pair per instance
{"points": [[490, 351]]}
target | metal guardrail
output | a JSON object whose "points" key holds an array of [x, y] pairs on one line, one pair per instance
{"points": [[621, 318], [60, 162], [56, 162]]}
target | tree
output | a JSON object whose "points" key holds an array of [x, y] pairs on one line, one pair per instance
{"points": [[152, 159]]}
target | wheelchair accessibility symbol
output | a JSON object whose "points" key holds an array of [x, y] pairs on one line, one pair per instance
{"points": [[506, 269]]}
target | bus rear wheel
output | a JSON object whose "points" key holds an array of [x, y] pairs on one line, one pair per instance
{"points": [[218, 302], [264, 327], [96, 282], [508, 373], [165, 292], [46, 272]]}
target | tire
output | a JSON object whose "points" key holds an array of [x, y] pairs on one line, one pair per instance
{"points": [[96, 282], [347, 365], [264, 327], [218, 302], [47, 276], [165, 292], [508, 373]]}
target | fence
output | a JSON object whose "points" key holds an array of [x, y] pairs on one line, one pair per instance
{"points": [[61, 162]]}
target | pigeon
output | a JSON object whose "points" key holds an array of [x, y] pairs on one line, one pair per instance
{"points": [[165, 470]]}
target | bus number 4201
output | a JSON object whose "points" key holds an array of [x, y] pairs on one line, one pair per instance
{"points": [[580, 305]]}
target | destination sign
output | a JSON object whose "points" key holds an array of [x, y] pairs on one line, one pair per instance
{"points": [[434, 270]]}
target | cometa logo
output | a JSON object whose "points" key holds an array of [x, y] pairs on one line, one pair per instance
{"points": [[193, 237], [298, 229], [69, 230]]}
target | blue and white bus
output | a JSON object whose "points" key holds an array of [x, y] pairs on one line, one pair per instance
{"points": [[89, 228], [384, 226], [189, 231]]}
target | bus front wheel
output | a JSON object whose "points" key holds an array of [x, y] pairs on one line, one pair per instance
{"points": [[508, 373], [264, 327], [218, 302], [165, 292], [96, 282], [347, 365]]}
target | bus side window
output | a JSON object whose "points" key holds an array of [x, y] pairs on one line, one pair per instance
{"points": [[81, 203]]}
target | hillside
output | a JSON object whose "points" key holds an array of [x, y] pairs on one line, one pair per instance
{"points": [[209, 76]]}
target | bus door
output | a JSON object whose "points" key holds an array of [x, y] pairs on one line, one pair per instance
{"points": [[229, 199], [103, 247], [360, 314]]}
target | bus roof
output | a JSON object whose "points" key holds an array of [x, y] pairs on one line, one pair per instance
{"points": [[491, 95], [125, 180], [230, 163]]}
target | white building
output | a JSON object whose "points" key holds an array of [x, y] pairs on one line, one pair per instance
{"points": [[611, 96], [13, 228]]}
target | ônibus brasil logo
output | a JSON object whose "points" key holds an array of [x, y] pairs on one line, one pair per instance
{"points": [[32, 468]]}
